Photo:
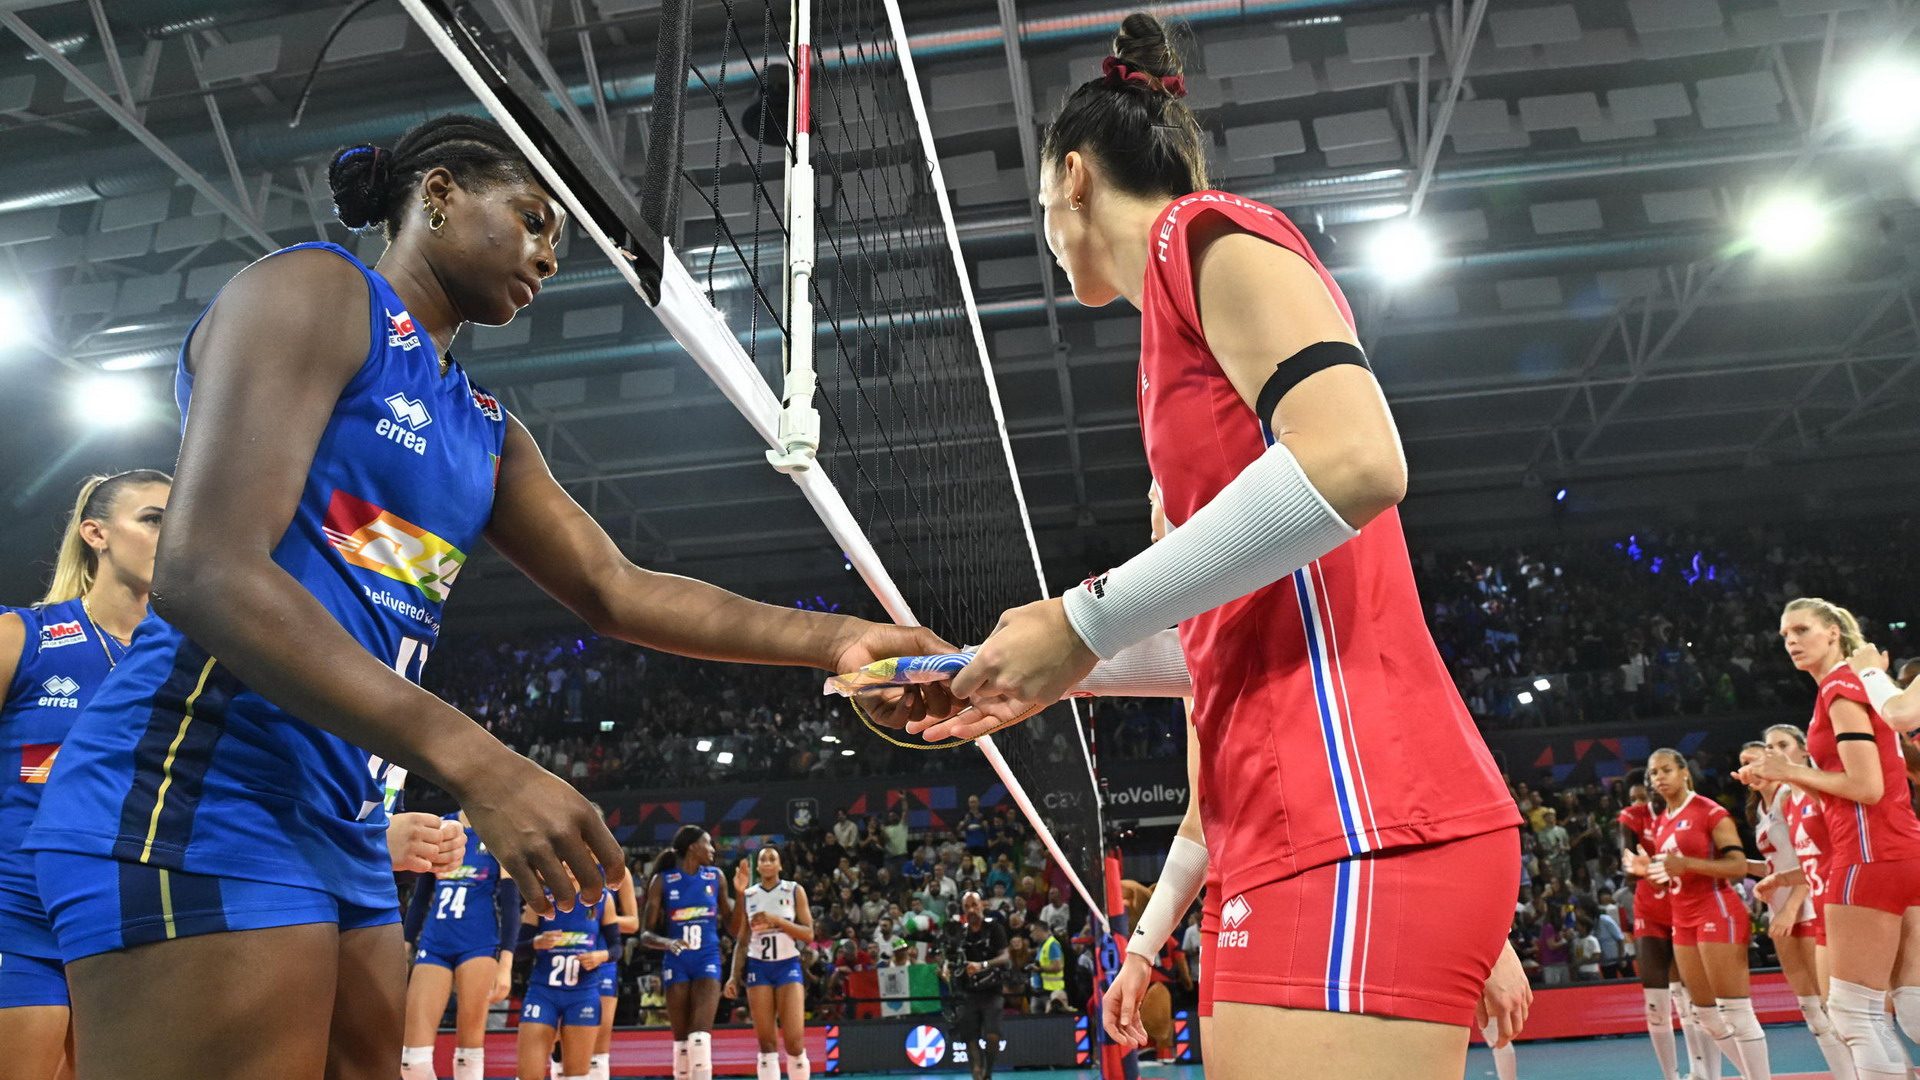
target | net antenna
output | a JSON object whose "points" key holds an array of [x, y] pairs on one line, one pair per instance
{"points": [[635, 238]]}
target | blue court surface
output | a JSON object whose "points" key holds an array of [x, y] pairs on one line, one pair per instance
{"points": [[1795, 1057]]}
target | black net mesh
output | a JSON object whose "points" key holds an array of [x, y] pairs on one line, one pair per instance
{"points": [[908, 430]]}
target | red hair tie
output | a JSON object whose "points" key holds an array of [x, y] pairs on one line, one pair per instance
{"points": [[1118, 75]]}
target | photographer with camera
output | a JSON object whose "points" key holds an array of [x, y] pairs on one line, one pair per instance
{"points": [[977, 964]]}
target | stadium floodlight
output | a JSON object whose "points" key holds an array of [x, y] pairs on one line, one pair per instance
{"points": [[848, 752], [724, 757], [703, 745], [830, 738], [1882, 100], [1526, 697], [110, 401], [14, 326], [1401, 251], [1560, 496], [1542, 685], [1786, 224]]}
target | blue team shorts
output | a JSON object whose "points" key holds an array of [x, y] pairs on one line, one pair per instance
{"points": [[773, 972], [579, 1006], [31, 980], [102, 905], [435, 957], [702, 963], [609, 978]]}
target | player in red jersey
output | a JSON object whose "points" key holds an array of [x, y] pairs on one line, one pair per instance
{"points": [[1653, 942], [1697, 856], [1365, 841], [1786, 887], [1874, 863]]}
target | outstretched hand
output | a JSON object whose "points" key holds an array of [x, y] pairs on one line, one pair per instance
{"points": [[896, 707], [1032, 658]]}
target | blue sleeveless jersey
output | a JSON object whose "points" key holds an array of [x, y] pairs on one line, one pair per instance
{"points": [[463, 918], [63, 662], [692, 904], [558, 969], [178, 764]]}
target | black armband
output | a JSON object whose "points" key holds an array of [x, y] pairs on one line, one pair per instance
{"points": [[1732, 849], [1311, 360], [1853, 736]]}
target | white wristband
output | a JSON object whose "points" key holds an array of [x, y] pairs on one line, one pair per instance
{"points": [[1265, 524], [1880, 688], [1180, 881], [1154, 668]]}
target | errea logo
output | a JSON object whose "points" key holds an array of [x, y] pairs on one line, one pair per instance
{"points": [[1232, 914], [59, 693], [409, 416]]}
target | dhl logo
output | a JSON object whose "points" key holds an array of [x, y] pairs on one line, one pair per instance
{"points": [[36, 762], [682, 914], [391, 546]]}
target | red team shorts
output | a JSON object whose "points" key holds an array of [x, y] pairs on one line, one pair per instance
{"points": [[1409, 933], [1892, 887], [1726, 922], [1652, 914]]}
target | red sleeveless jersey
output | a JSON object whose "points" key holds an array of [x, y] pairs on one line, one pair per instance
{"points": [[1810, 840], [1859, 833], [1643, 821], [1688, 830], [1330, 725]]}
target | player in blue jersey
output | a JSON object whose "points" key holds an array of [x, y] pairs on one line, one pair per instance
{"points": [[766, 960], [687, 897], [212, 834], [563, 991], [463, 924], [53, 657]]}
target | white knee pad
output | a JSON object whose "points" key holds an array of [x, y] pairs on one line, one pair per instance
{"points": [[469, 1063], [766, 1066], [681, 1067], [798, 1067], [1860, 1016], [599, 1067], [1815, 1010], [700, 1056], [416, 1063], [1712, 1022]]}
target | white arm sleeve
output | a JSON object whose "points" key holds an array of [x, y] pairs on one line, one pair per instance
{"points": [[1880, 688], [1265, 524], [1154, 668], [1180, 881]]}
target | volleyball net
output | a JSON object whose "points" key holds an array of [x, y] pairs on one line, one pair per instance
{"points": [[793, 234]]}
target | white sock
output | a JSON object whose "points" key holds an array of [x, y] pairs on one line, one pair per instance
{"points": [[1755, 1063], [416, 1063], [1839, 1059], [682, 1068], [469, 1063], [798, 1067], [1859, 1014], [700, 1056], [1703, 1060], [766, 1066], [1505, 1063], [1660, 1029], [597, 1067]]}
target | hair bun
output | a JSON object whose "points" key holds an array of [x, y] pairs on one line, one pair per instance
{"points": [[1144, 45], [358, 177]]}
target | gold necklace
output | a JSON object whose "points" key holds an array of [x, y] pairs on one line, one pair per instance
{"points": [[112, 663]]}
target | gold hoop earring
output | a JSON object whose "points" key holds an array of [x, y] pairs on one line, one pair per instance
{"points": [[435, 216], [1073, 204]]}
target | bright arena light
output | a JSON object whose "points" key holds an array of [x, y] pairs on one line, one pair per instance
{"points": [[1883, 101], [847, 752], [724, 757], [1402, 251], [1787, 224], [1542, 685], [703, 745], [13, 321], [1525, 696], [109, 401]]}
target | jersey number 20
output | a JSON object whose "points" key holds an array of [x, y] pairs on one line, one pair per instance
{"points": [[566, 971]]}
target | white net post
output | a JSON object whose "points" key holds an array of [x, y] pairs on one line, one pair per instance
{"points": [[798, 439]]}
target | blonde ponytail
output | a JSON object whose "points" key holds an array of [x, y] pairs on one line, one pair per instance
{"points": [[1833, 615], [75, 566]]}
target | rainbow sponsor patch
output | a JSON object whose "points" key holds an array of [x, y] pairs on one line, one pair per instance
{"points": [[573, 939], [391, 546], [683, 914]]}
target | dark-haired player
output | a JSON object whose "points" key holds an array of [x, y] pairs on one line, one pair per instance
{"points": [[210, 846], [1364, 841], [687, 897]]}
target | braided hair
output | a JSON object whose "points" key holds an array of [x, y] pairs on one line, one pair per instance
{"points": [[373, 185], [1133, 118]]}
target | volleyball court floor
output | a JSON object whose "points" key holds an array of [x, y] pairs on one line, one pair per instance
{"points": [[1795, 1057]]}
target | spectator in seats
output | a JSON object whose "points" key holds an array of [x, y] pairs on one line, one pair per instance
{"points": [[1553, 844], [1586, 951], [914, 873], [896, 836], [1001, 875], [1056, 913], [973, 827]]}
